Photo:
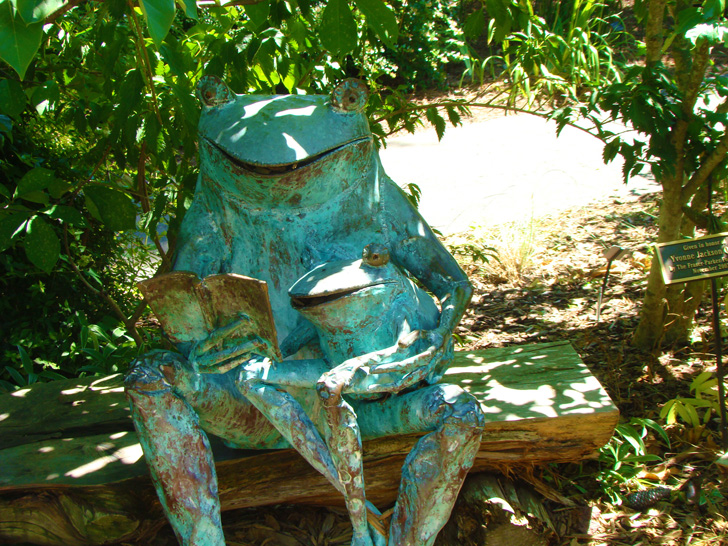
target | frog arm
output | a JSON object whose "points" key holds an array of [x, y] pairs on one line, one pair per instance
{"points": [[303, 334], [417, 249]]}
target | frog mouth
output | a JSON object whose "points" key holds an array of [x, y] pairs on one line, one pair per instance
{"points": [[283, 168], [306, 302]]}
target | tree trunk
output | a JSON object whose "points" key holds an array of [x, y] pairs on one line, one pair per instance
{"points": [[683, 299], [650, 330]]}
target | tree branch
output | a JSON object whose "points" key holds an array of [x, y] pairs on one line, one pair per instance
{"points": [[653, 31], [93, 172], [214, 3], [203, 4], [144, 198], [62, 10], [489, 104], [695, 78], [716, 157], [143, 51]]}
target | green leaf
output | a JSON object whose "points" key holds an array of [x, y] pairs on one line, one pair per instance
{"points": [[25, 359], [129, 95], [258, 13], [159, 15], [50, 374], [474, 25], [12, 98], [453, 115], [338, 28], [114, 208], [18, 42], [654, 426], [190, 8], [33, 181], [713, 8], [58, 187], [9, 227], [381, 19], [33, 11], [67, 215], [434, 117], [15, 375], [713, 33], [42, 246]]}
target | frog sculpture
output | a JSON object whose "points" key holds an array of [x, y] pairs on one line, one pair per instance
{"points": [[289, 184]]}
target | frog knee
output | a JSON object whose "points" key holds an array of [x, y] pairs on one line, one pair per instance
{"points": [[329, 390], [150, 373], [458, 408]]}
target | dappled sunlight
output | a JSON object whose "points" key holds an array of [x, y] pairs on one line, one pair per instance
{"points": [[126, 455], [254, 108], [240, 134], [539, 400], [37, 447], [20, 393], [529, 382], [299, 150], [304, 111]]}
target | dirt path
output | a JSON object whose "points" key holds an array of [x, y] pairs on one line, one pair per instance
{"points": [[503, 169]]}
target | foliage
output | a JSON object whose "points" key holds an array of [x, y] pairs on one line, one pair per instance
{"points": [[688, 410], [623, 458], [549, 50], [98, 126], [432, 40]]}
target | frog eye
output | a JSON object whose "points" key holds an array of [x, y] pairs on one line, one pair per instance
{"points": [[212, 91], [350, 96]]}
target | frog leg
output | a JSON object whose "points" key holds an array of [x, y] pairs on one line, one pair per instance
{"points": [[344, 443], [177, 451], [435, 469], [171, 408], [288, 416]]}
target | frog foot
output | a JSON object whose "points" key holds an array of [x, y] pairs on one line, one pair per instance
{"points": [[377, 532], [359, 539], [377, 538]]}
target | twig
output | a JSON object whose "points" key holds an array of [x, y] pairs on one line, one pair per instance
{"points": [[139, 41], [62, 10], [130, 326], [93, 172], [144, 198]]}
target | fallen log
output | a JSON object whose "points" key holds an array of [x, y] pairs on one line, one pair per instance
{"points": [[73, 472]]}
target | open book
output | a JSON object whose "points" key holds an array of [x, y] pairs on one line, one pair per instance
{"points": [[190, 308]]}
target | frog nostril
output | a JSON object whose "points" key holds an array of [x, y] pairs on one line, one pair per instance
{"points": [[375, 255]]}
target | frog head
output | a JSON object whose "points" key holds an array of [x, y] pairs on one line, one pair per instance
{"points": [[277, 151]]}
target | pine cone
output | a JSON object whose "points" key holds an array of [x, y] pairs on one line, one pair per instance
{"points": [[642, 500]]}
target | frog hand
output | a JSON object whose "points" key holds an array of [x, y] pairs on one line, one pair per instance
{"points": [[417, 356], [228, 346]]}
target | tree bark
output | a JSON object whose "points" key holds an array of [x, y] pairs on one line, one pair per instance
{"points": [[683, 299], [650, 329]]}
